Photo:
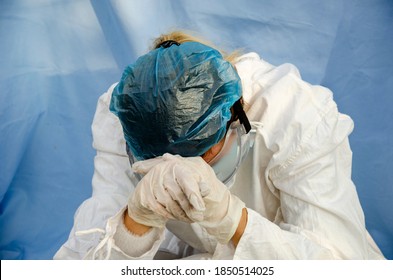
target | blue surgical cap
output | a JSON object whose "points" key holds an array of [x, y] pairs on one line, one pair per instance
{"points": [[176, 100]]}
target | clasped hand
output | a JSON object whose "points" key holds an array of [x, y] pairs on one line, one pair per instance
{"points": [[184, 189]]}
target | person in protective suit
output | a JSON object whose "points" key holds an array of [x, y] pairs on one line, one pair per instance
{"points": [[203, 155]]}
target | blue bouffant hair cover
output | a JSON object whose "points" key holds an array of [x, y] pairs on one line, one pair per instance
{"points": [[176, 100]]}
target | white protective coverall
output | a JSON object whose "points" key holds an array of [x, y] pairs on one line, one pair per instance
{"points": [[296, 182]]}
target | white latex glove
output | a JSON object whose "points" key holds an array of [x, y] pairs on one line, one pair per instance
{"points": [[223, 210], [167, 191]]}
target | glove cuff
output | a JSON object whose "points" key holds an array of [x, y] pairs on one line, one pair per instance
{"points": [[225, 230], [146, 217]]}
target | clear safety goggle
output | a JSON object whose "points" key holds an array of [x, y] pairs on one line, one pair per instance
{"points": [[226, 163], [235, 149]]}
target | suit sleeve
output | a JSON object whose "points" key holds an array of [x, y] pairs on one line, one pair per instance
{"points": [[309, 171], [97, 218]]}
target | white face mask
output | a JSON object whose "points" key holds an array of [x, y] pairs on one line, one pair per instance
{"points": [[227, 161], [236, 146]]}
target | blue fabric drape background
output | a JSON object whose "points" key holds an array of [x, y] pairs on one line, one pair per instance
{"points": [[57, 57]]}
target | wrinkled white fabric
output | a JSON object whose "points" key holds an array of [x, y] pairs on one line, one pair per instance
{"points": [[296, 181]]}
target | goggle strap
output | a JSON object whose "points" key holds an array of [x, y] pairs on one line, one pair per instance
{"points": [[168, 43], [238, 108]]}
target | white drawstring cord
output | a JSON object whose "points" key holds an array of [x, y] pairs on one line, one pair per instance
{"points": [[88, 231], [107, 241]]}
